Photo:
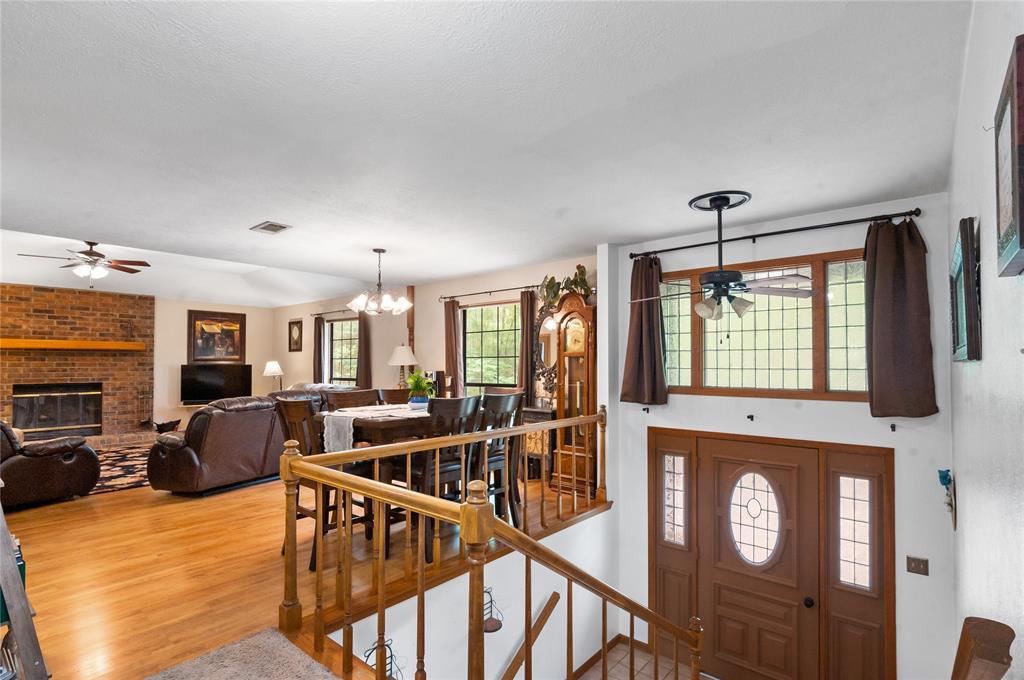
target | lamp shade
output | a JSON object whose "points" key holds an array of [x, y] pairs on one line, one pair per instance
{"points": [[272, 369], [402, 356]]}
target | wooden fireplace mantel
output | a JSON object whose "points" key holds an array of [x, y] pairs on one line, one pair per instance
{"points": [[92, 345]]}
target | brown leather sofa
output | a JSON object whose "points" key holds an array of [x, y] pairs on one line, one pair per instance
{"points": [[42, 471], [226, 442]]}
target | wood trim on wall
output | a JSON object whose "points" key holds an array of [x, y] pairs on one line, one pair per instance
{"points": [[888, 530], [819, 346]]}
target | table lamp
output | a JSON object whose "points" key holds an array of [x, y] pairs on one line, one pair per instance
{"points": [[273, 370], [402, 357]]}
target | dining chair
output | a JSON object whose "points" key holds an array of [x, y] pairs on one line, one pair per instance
{"points": [[394, 395], [350, 398], [299, 418], [499, 411]]}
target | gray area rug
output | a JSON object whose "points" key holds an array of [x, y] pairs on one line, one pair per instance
{"points": [[267, 655]]}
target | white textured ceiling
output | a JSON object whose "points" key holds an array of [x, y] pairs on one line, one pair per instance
{"points": [[463, 137]]}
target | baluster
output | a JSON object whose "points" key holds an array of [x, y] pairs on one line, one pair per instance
{"points": [[408, 517], [559, 457], [572, 454], [463, 481], [698, 635], [378, 526], [544, 476], [586, 463], [437, 494], [632, 662], [339, 555], [477, 527], [289, 615], [652, 636], [505, 479], [379, 555], [347, 587], [675, 658], [421, 643], [602, 450], [318, 540], [570, 671], [525, 468], [528, 636], [604, 639]]}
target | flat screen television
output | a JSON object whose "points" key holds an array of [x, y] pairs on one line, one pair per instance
{"points": [[203, 383]]}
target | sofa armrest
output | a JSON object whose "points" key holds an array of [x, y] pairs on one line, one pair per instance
{"points": [[52, 447], [171, 440]]}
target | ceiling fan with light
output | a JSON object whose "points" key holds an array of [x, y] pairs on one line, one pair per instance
{"points": [[92, 264], [727, 283]]}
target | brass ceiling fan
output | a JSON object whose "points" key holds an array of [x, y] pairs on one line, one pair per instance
{"points": [[727, 283], [92, 264]]}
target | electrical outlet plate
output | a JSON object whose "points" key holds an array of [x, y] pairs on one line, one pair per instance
{"points": [[917, 565]]}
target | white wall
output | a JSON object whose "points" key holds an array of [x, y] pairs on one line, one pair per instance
{"points": [[988, 395], [430, 312], [924, 605], [590, 545], [386, 332], [170, 352]]}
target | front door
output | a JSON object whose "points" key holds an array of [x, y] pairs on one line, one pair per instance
{"points": [[780, 547]]}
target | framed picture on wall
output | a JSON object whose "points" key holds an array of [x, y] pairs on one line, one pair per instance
{"points": [[965, 294], [216, 337], [1009, 135], [295, 336]]}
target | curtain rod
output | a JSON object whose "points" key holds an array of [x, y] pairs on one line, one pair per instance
{"points": [[333, 311], [442, 298], [753, 237]]}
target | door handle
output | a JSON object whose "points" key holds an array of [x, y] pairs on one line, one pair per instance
{"points": [[808, 602]]}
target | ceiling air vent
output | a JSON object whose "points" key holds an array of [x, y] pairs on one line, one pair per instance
{"points": [[270, 228]]}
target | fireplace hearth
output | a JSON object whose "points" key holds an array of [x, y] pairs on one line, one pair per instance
{"points": [[58, 409]]}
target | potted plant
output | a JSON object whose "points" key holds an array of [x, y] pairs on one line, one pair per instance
{"points": [[421, 389]]}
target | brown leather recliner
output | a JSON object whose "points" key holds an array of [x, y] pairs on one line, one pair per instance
{"points": [[227, 442], [42, 471]]}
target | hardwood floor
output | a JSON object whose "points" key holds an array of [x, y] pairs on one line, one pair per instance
{"points": [[129, 583]]}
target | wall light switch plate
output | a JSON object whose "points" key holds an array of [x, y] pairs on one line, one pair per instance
{"points": [[917, 565]]}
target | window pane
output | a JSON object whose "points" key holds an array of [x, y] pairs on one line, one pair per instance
{"points": [[675, 314], [344, 343], [674, 505], [491, 349], [761, 350], [754, 518], [855, 531], [847, 362]]}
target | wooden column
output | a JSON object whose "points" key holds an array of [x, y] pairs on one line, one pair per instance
{"points": [[477, 528], [289, 615], [602, 452]]}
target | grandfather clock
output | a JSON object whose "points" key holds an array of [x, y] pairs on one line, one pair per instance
{"points": [[576, 395]]}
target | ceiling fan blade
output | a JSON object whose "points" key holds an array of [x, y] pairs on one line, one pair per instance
{"points": [[130, 263], [781, 292], [784, 278], [120, 268], [67, 266], [48, 257], [668, 296]]}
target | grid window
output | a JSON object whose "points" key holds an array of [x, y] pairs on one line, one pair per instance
{"points": [[675, 315], [847, 353], [855, 531], [344, 338], [675, 499], [490, 346], [754, 517], [770, 348]]}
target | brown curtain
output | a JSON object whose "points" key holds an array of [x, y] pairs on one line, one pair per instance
{"points": [[318, 349], [899, 346], [364, 369], [527, 304], [643, 378], [453, 347]]}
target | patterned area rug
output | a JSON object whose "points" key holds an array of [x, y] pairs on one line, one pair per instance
{"points": [[267, 655], [122, 467]]}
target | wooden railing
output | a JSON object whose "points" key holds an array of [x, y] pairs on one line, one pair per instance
{"points": [[27, 656], [477, 527]]}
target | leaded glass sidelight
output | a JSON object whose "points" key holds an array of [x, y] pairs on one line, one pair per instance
{"points": [[675, 315], [674, 505], [754, 518], [847, 353], [855, 531]]}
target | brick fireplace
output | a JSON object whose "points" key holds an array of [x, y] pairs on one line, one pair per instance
{"points": [[124, 378]]}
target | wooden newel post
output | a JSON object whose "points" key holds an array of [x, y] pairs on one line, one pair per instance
{"points": [[289, 616], [602, 452], [698, 640], [477, 528]]}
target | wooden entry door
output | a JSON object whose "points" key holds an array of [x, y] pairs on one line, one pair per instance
{"points": [[784, 548], [758, 567]]}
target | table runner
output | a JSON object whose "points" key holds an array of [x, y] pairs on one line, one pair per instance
{"points": [[338, 424]]}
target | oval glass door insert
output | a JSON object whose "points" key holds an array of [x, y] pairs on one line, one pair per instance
{"points": [[754, 518]]}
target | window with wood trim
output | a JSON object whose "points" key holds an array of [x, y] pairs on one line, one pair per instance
{"points": [[490, 346], [798, 348], [344, 342]]}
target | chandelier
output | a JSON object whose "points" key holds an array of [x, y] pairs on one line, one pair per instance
{"points": [[379, 301]]}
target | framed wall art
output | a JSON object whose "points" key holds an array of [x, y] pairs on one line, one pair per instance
{"points": [[216, 337], [295, 336], [1009, 134], [965, 294]]}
